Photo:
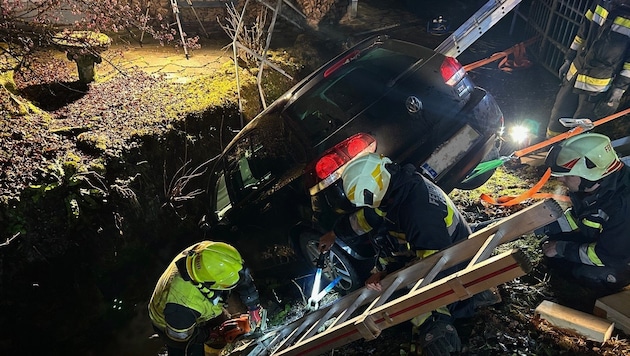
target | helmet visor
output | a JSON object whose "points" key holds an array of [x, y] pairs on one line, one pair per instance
{"points": [[551, 161]]}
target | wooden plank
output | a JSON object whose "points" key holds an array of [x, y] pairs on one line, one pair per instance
{"points": [[590, 326], [616, 308]]}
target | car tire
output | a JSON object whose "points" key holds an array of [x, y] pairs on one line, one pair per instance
{"points": [[481, 179], [337, 264]]}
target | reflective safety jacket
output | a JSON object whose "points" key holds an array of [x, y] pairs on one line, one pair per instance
{"points": [[600, 50], [601, 224], [176, 298], [414, 210]]}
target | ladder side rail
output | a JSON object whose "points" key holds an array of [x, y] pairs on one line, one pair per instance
{"points": [[494, 271], [465, 35], [472, 24]]}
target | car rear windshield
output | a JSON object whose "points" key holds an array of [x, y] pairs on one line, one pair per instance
{"points": [[347, 91]]}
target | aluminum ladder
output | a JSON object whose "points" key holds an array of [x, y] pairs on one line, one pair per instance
{"points": [[364, 313], [466, 34]]}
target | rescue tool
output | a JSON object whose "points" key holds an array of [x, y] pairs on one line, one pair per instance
{"points": [[316, 294]]}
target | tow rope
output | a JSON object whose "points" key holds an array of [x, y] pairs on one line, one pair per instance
{"points": [[533, 192]]}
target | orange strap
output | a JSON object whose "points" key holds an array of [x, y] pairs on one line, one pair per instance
{"points": [[532, 193], [574, 131], [517, 50], [520, 60]]}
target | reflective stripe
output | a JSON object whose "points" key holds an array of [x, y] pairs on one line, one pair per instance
{"points": [[597, 85], [592, 224], [358, 222], [621, 25], [588, 255], [350, 192], [448, 219], [600, 15], [452, 218], [425, 253], [572, 71], [589, 15], [179, 335], [577, 43], [570, 219]]}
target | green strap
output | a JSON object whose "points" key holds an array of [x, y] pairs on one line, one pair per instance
{"points": [[484, 167]]}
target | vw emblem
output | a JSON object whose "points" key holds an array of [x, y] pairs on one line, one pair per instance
{"points": [[413, 104]]}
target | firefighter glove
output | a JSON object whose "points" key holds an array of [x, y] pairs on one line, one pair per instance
{"points": [[564, 69], [614, 98]]}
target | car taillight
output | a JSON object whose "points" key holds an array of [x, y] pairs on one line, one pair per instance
{"points": [[326, 170], [452, 72], [328, 164]]}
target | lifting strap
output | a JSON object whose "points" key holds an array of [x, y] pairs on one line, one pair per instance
{"points": [[533, 192], [517, 51]]}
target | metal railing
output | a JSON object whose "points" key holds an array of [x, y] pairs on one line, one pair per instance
{"points": [[555, 22]]}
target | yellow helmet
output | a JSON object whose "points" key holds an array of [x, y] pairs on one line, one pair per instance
{"points": [[214, 263], [588, 155], [365, 180]]}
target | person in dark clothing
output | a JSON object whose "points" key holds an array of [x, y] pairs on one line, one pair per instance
{"points": [[596, 69], [419, 219], [592, 240], [187, 305]]}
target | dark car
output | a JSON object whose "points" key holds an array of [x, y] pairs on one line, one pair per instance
{"points": [[280, 175]]}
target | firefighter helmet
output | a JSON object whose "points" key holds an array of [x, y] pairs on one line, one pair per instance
{"points": [[365, 179], [589, 156], [215, 264]]}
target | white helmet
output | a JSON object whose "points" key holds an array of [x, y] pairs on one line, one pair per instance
{"points": [[365, 180], [589, 155]]}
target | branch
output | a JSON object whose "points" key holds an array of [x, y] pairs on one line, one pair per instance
{"points": [[10, 239]]}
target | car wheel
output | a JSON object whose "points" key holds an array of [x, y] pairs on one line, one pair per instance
{"points": [[338, 263], [481, 179]]}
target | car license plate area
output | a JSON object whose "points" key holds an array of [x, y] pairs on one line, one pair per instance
{"points": [[450, 152]]}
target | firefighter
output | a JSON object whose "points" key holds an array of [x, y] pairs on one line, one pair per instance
{"points": [[592, 240], [596, 69], [420, 219], [187, 305]]}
